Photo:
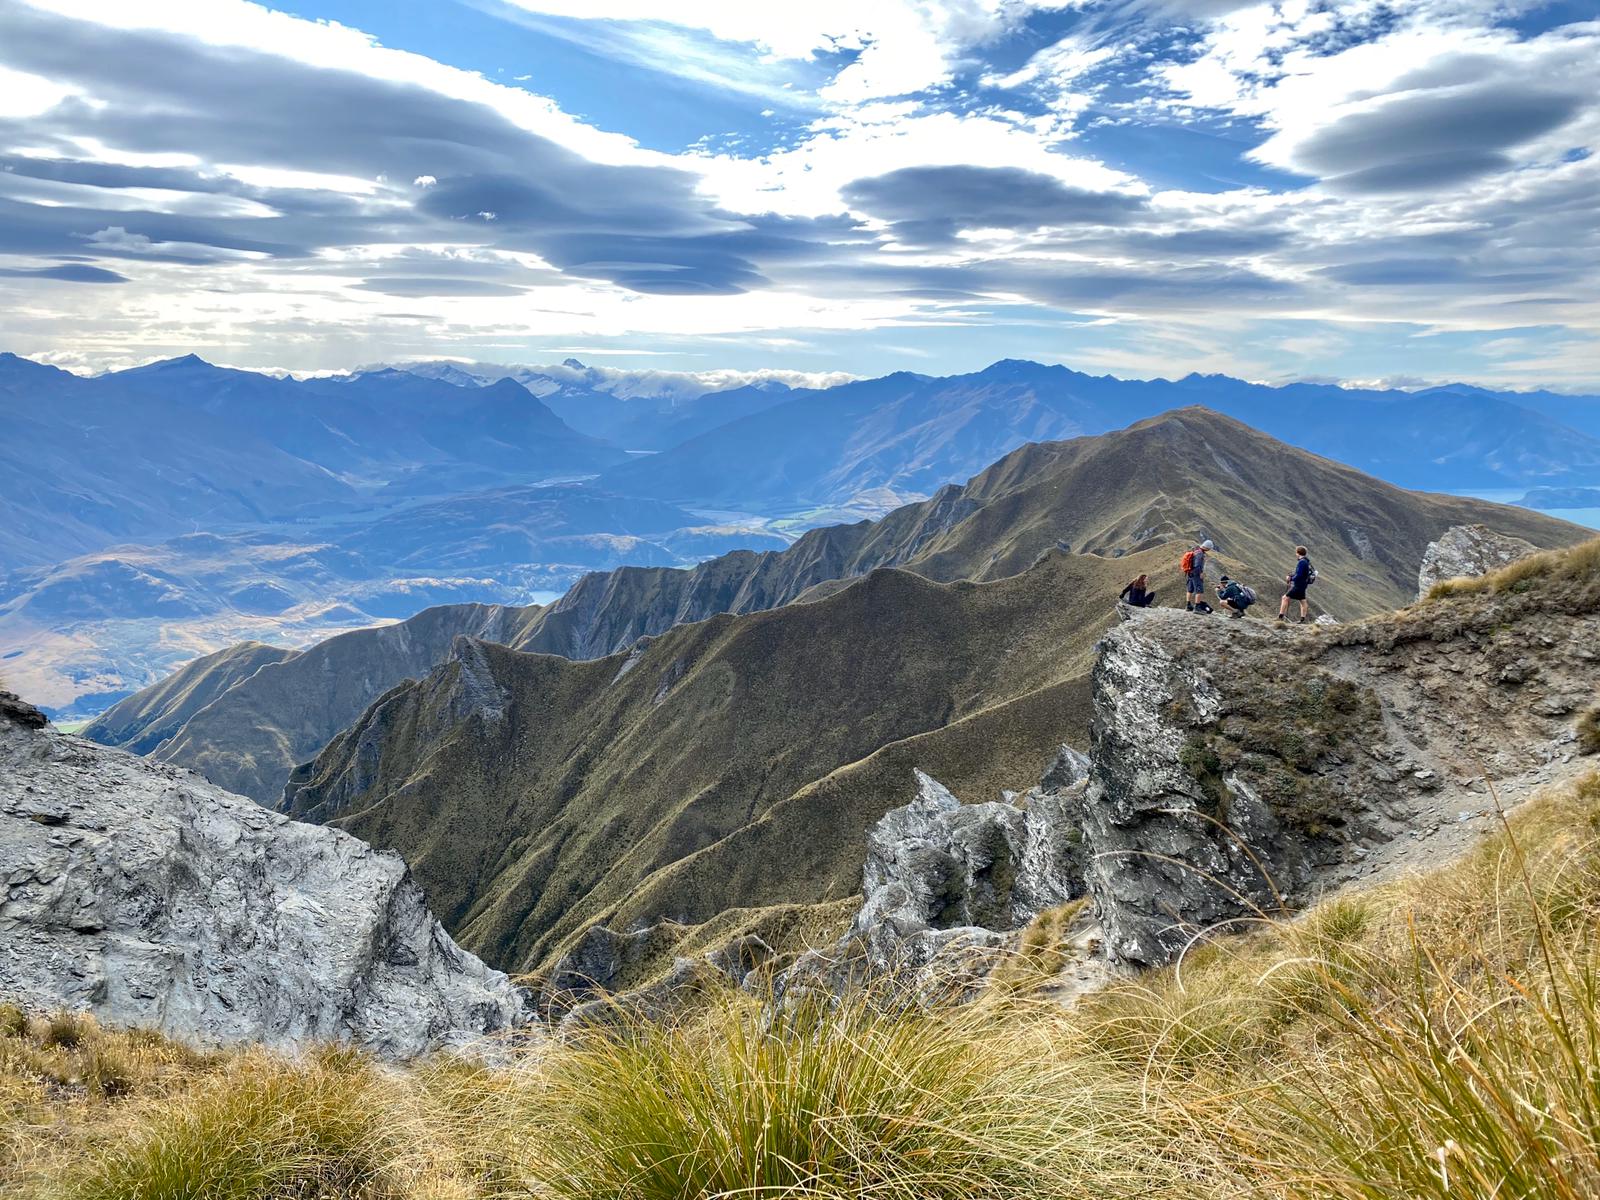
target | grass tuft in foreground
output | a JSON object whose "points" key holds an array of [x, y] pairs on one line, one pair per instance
{"points": [[1436, 1036], [823, 1100]]}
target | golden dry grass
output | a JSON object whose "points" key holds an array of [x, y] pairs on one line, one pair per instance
{"points": [[1580, 563], [1438, 1036]]}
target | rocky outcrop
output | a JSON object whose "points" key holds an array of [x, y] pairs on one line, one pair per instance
{"points": [[939, 871], [144, 895], [1468, 550], [1240, 769]]}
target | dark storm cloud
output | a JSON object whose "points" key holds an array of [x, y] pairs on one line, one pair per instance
{"points": [[67, 273], [1424, 140], [929, 206], [497, 185]]}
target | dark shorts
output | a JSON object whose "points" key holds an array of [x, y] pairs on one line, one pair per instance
{"points": [[1296, 593], [1197, 581]]}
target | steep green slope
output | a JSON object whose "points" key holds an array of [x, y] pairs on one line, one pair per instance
{"points": [[149, 717], [734, 762]]}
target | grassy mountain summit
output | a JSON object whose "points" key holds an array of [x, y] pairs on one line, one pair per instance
{"points": [[734, 764], [1187, 473]]}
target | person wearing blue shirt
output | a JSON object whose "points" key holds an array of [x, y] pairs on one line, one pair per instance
{"points": [[1298, 580]]}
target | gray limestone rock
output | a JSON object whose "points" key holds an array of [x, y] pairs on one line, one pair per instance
{"points": [[142, 894], [1241, 770], [939, 871], [1468, 550]]}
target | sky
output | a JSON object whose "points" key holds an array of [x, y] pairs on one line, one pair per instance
{"points": [[1353, 190]]}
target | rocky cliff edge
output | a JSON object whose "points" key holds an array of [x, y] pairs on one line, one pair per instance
{"points": [[146, 896]]}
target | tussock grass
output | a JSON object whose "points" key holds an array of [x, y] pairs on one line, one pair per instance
{"points": [[1436, 1036], [263, 1130], [827, 1100], [1577, 564]]}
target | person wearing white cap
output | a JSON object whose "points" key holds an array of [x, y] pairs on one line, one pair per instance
{"points": [[1194, 570]]}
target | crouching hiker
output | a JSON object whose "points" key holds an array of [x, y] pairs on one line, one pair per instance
{"points": [[1235, 596], [1298, 580], [1138, 593], [1193, 566]]}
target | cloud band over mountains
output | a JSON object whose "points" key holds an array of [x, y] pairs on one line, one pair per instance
{"points": [[1204, 187]]}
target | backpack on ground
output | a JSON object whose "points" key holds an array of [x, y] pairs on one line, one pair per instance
{"points": [[1187, 565], [1249, 596]]}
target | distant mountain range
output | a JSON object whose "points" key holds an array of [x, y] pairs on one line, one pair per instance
{"points": [[181, 445], [910, 433], [160, 513], [1110, 502]]}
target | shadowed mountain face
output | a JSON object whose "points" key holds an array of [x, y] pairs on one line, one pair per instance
{"points": [[251, 730], [909, 433], [143, 721], [735, 763], [1186, 475]]}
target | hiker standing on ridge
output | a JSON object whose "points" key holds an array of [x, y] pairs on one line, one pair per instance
{"points": [[1302, 577], [1194, 570], [1138, 593]]}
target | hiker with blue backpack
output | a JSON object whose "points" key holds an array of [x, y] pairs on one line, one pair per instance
{"points": [[1235, 596], [1302, 577]]}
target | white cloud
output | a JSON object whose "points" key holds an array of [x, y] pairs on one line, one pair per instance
{"points": [[901, 46], [23, 94], [325, 44], [1512, 247], [875, 139]]}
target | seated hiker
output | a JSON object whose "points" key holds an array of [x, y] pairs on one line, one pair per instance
{"points": [[1302, 577], [1138, 593], [1235, 596]]}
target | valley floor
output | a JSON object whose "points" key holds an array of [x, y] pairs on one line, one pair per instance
{"points": [[1436, 1035]]}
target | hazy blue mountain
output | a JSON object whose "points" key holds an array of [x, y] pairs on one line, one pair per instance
{"points": [[1579, 412], [87, 462], [182, 445], [1561, 498], [910, 433], [637, 410]]}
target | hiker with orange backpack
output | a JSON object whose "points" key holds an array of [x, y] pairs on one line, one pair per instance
{"points": [[1194, 572]]}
